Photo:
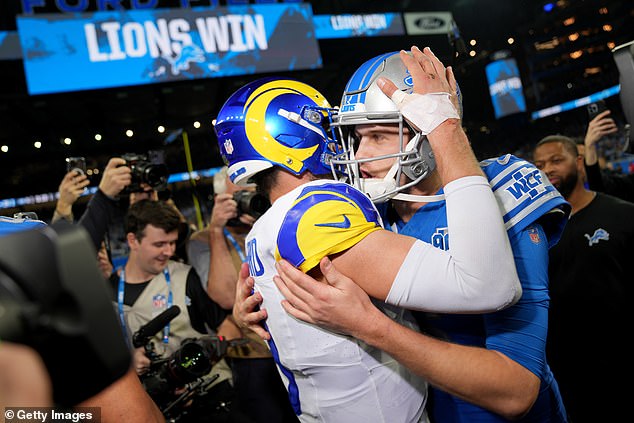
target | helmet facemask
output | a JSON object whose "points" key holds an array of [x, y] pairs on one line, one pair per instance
{"points": [[414, 160]]}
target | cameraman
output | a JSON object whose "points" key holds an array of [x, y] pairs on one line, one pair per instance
{"points": [[25, 380], [217, 253], [151, 282]]}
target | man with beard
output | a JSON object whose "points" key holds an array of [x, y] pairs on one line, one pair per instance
{"points": [[590, 289]]}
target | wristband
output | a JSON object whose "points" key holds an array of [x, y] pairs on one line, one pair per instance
{"points": [[425, 111]]}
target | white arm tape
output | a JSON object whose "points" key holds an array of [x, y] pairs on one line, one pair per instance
{"points": [[477, 274], [425, 111]]}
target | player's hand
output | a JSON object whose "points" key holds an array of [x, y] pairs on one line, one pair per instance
{"points": [[429, 75], [428, 72], [245, 307], [339, 304], [434, 98]]}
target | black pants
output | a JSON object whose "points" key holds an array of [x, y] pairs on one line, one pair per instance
{"points": [[260, 393], [217, 405]]}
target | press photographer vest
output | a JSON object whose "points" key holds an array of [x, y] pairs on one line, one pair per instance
{"points": [[153, 300]]}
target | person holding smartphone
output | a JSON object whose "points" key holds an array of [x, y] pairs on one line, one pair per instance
{"points": [[602, 124], [71, 188]]}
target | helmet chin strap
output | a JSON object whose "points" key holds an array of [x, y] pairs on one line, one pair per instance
{"points": [[419, 198], [382, 190], [379, 190]]}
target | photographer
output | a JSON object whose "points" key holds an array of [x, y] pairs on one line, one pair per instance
{"points": [[124, 181], [151, 282], [224, 236], [217, 253], [51, 263], [102, 209]]}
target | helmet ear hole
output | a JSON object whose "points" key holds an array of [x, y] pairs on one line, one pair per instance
{"points": [[423, 161]]}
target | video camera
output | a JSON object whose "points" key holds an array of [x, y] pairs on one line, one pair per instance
{"points": [[54, 299], [145, 171], [187, 365], [193, 360]]}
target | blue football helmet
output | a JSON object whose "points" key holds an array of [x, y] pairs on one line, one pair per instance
{"points": [[275, 122], [364, 103]]}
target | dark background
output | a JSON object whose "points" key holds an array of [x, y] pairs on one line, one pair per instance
{"points": [[549, 76]]}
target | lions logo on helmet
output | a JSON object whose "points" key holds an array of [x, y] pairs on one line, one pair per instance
{"points": [[275, 122], [364, 103]]}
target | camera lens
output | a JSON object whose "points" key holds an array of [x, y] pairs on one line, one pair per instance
{"points": [[144, 172], [259, 205], [190, 362], [155, 175], [251, 203]]}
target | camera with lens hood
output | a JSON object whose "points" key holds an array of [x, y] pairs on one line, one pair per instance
{"points": [[190, 362], [251, 203], [145, 171]]}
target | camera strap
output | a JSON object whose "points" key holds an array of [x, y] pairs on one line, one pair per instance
{"points": [[121, 296], [235, 244]]}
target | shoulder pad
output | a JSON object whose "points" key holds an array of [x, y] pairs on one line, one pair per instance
{"points": [[325, 219], [525, 195]]}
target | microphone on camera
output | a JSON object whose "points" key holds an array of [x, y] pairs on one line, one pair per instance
{"points": [[149, 329]]}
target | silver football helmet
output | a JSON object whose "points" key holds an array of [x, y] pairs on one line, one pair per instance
{"points": [[363, 103]]}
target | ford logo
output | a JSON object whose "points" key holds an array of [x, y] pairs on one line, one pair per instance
{"points": [[429, 23]]}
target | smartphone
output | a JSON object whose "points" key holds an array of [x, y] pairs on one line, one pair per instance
{"points": [[78, 164], [595, 108]]}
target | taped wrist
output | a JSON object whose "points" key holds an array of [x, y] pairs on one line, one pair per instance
{"points": [[425, 111]]}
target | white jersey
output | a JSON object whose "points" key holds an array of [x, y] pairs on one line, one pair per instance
{"points": [[330, 377]]}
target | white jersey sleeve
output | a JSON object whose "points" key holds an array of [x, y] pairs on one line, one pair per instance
{"points": [[477, 274]]}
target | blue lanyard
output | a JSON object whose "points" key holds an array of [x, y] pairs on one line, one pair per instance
{"points": [[120, 297], [235, 245]]}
